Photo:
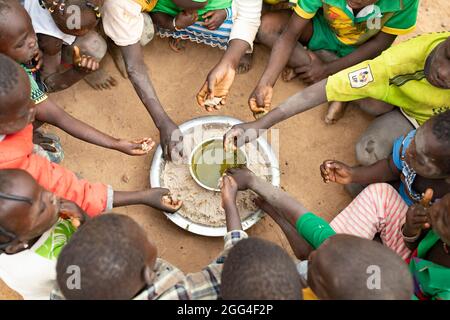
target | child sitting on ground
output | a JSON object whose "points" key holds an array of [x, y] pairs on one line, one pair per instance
{"points": [[66, 35], [17, 113], [257, 269], [18, 41], [32, 233], [201, 21], [411, 77], [338, 34], [421, 160], [118, 261], [341, 265]]}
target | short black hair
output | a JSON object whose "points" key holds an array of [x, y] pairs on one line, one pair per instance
{"points": [[5, 6], [107, 252], [441, 130], [9, 75], [365, 269], [6, 237], [441, 127], [257, 269]]}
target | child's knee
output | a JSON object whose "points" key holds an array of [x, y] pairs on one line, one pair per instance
{"points": [[370, 149], [270, 26], [92, 45]]}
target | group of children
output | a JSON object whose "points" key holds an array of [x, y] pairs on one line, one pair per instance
{"points": [[342, 48]]}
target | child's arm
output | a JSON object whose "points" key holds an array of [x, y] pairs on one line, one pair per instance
{"points": [[306, 99], [157, 198], [281, 201], [229, 190], [381, 171], [220, 79], [300, 246], [262, 95], [170, 136], [53, 79], [368, 50], [182, 20], [49, 112]]}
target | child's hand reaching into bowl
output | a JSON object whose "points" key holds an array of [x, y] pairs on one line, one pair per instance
{"points": [[162, 199], [229, 189]]}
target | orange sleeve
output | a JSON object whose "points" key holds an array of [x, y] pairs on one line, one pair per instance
{"points": [[16, 153]]}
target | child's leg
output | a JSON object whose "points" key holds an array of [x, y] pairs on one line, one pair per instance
{"points": [[378, 209], [272, 25], [376, 142]]}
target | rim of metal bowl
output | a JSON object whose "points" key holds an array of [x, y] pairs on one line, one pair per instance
{"points": [[197, 228], [191, 156]]}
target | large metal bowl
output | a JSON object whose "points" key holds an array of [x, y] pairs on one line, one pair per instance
{"points": [[205, 230]]}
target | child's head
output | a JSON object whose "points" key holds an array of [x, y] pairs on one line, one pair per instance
{"points": [[17, 110], [75, 17], [346, 267], [439, 214], [257, 269], [26, 210], [17, 38], [429, 151], [437, 66], [115, 258], [359, 4]]}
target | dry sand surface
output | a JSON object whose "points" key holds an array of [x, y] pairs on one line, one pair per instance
{"points": [[305, 140]]}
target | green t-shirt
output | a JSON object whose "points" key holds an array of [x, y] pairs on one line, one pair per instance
{"points": [[390, 16], [396, 77], [170, 8], [431, 279], [314, 229]]}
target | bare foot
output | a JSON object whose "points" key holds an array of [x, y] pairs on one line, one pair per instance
{"points": [[100, 80], [177, 45], [116, 54], [245, 64], [288, 74], [336, 110]]}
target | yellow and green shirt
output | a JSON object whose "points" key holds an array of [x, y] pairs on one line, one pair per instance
{"points": [[147, 5], [390, 16], [396, 77], [170, 8]]}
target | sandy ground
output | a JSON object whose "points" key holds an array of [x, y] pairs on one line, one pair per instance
{"points": [[305, 140]]}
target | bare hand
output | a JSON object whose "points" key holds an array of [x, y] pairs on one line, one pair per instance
{"points": [[214, 19], [240, 134], [217, 85], [260, 100], [160, 198], [243, 177], [71, 211], [171, 142], [229, 189], [336, 171], [83, 62], [136, 147], [315, 71], [38, 61], [185, 19]]}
